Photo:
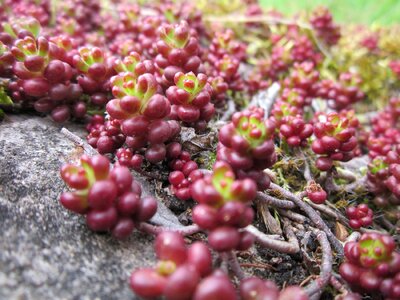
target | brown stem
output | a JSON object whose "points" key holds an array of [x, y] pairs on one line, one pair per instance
{"points": [[312, 214], [291, 246], [154, 230], [294, 216], [331, 186], [317, 286], [347, 175], [351, 187], [235, 266], [275, 202], [329, 212]]}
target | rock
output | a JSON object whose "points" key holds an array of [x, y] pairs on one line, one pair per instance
{"points": [[46, 251]]}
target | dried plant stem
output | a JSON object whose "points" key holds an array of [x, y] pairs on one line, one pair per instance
{"points": [[235, 266], [291, 246], [331, 186], [329, 212], [312, 214], [344, 174], [317, 285], [275, 202], [294, 216]]}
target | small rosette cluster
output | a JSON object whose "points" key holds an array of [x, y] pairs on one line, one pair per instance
{"points": [[33, 65], [335, 138], [141, 112], [110, 199], [178, 272], [342, 93], [219, 89], [304, 77], [246, 144], [322, 22], [6, 60], [19, 28], [393, 181], [184, 171], [42, 74], [28, 8], [373, 265], [133, 63], [178, 50], [190, 99], [299, 88], [105, 136], [282, 111], [224, 208], [295, 131], [288, 48], [94, 68], [223, 58], [384, 151], [224, 43], [287, 117], [359, 216], [295, 97], [378, 173], [227, 68]]}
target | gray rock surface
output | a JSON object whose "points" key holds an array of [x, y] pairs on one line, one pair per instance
{"points": [[46, 252]]}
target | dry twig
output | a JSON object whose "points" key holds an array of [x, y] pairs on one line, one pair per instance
{"points": [[291, 246], [316, 286]]}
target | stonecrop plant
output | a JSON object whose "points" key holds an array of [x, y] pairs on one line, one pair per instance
{"points": [[273, 139], [110, 199]]}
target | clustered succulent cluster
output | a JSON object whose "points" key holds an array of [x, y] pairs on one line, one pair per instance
{"points": [[110, 199], [224, 208], [150, 81], [373, 265], [246, 145]]}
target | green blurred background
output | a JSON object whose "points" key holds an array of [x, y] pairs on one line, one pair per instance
{"points": [[382, 12]]}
